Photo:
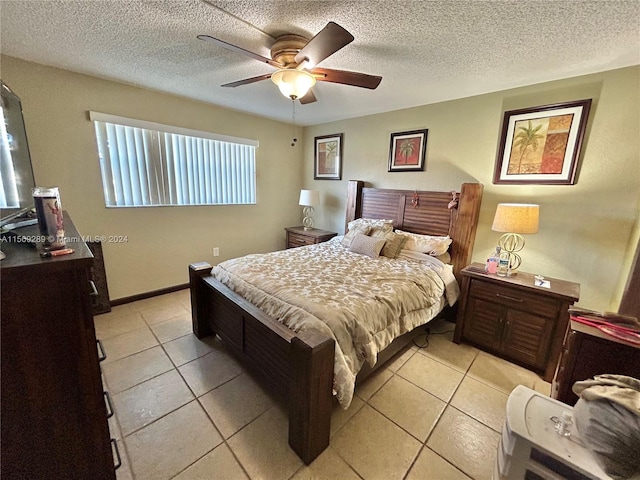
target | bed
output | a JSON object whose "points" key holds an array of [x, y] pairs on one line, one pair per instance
{"points": [[301, 365]]}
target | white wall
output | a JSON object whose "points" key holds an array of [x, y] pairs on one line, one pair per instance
{"points": [[585, 229], [161, 241]]}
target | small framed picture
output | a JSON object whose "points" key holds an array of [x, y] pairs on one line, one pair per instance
{"points": [[407, 151], [541, 145], [328, 157]]}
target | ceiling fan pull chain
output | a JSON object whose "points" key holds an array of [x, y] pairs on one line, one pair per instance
{"points": [[293, 122]]}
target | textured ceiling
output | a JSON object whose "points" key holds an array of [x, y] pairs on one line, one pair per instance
{"points": [[426, 51]]}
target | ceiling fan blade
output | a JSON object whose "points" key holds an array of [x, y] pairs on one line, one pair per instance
{"points": [[347, 78], [234, 48], [326, 42], [308, 98], [247, 81]]}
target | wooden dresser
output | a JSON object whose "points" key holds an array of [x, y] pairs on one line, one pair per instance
{"points": [[299, 237], [54, 410], [588, 352], [513, 318]]}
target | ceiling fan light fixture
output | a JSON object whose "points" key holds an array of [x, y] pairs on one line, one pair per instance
{"points": [[293, 83]]}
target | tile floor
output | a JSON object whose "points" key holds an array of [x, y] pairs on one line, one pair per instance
{"points": [[185, 409]]}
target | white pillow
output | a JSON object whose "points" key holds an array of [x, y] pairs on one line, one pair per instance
{"points": [[365, 245], [379, 227], [426, 243], [353, 231]]}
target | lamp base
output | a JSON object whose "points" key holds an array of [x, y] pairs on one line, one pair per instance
{"points": [[307, 221]]}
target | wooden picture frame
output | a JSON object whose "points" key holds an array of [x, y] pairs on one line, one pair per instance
{"points": [[328, 157], [541, 145], [407, 151]]}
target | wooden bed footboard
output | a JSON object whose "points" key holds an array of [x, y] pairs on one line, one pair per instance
{"points": [[298, 366]]}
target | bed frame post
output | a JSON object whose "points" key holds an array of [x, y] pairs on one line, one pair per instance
{"points": [[464, 230], [199, 316], [354, 201], [310, 394]]}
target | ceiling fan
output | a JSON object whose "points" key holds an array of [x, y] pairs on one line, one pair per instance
{"points": [[296, 58]]}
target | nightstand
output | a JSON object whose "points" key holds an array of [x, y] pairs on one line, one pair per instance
{"points": [[515, 319], [299, 237]]}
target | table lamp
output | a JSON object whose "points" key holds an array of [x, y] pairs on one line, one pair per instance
{"points": [[308, 198], [515, 219]]}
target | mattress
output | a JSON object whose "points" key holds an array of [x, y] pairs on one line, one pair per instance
{"points": [[362, 303]]}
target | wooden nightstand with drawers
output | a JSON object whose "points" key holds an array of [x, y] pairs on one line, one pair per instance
{"points": [[299, 237], [515, 319]]}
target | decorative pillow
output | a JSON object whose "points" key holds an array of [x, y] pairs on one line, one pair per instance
{"points": [[426, 243], [365, 245], [393, 244], [350, 235], [377, 225]]}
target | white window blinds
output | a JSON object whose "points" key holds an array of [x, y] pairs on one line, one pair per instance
{"points": [[149, 164]]}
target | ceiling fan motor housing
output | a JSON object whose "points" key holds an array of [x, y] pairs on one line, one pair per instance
{"points": [[286, 47]]}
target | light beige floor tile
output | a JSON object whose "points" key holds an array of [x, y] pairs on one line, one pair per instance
{"points": [[340, 416], [150, 400], [372, 383], [543, 387], [114, 426], [162, 312], [134, 369], [465, 443], [375, 447], [114, 325], [128, 344], [210, 371], [172, 329], [328, 466], [431, 376], [219, 464], [189, 347], [172, 443], [430, 466], [235, 404], [500, 374], [263, 447], [482, 402], [401, 358], [124, 472], [408, 406], [441, 348]]}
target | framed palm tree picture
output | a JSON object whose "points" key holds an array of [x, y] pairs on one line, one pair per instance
{"points": [[328, 157], [542, 145], [407, 151]]}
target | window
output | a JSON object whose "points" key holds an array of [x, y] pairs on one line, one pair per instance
{"points": [[149, 164]]}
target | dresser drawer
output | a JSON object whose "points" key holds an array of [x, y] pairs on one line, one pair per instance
{"points": [[514, 298], [296, 240]]}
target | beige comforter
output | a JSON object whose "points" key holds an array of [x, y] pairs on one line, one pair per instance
{"points": [[362, 303]]}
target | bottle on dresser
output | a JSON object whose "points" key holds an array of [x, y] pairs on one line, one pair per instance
{"points": [[492, 262], [504, 260]]}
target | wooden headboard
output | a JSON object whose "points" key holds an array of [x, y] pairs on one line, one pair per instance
{"points": [[428, 213]]}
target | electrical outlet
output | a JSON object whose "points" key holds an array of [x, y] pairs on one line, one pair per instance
{"points": [[216, 251]]}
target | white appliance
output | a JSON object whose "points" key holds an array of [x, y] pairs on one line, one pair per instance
{"points": [[531, 449]]}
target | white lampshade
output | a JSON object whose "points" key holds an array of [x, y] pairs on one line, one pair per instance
{"points": [[516, 218], [293, 83], [309, 198]]}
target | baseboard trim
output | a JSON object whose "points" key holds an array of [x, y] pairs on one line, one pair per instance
{"points": [[154, 293]]}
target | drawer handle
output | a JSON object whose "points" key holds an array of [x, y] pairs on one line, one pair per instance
{"points": [[94, 290], [507, 297], [101, 353], [114, 448], [107, 399]]}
